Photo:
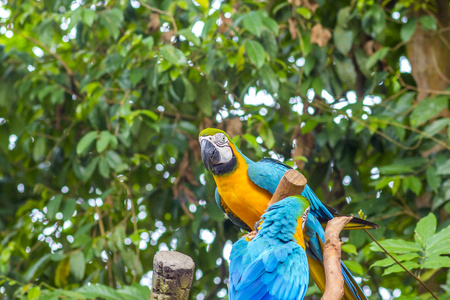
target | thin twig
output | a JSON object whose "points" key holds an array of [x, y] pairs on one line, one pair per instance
{"points": [[400, 264], [47, 49], [122, 103], [431, 91], [134, 221], [161, 12], [103, 233], [59, 140]]}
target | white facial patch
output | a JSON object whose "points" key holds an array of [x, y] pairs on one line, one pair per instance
{"points": [[222, 145], [305, 217], [226, 154]]}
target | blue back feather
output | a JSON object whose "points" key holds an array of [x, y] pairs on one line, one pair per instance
{"points": [[272, 265], [267, 173]]}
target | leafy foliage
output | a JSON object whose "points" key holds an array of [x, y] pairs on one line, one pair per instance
{"points": [[427, 252], [101, 104]]}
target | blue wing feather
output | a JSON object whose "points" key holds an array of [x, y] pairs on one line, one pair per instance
{"points": [[267, 173], [279, 272]]}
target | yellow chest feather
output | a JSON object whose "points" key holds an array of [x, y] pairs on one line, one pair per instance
{"points": [[243, 198]]}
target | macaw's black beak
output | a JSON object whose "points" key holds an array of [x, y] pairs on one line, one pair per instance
{"points": [[210, 155]]}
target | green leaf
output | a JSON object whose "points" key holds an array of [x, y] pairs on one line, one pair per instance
{"points": [[428, 22], [135, 292], [346, 71], [34, 293], [112, 19], [190, 36], [310, 62], [267, 135], [444, 169], [75, 17], [252, 21], [354, 266], [427, 109], [255, 53], [136, 75], [251, 140], [53, 206], [61, 273], [414, 184], [437, 126], [269, 79], [433, 180], [374, 21], [81, 240], [309, 125], [270, 24], [77, 265], [438, 243], [397, 246], [405, 102], [99, 291], [343, 39], [396, 268], [173, 55], [389, 261], [68, 209], [39, 149], [103, 141], [204, 101], [343, 16], [113, 159], [349, 248], [395, 169], [189, 90], [379, 55], [425, 229], [149, 42], [408, 29], [38, 265], [436, 262], [103, 168], [88, 16], [382, 182], [304, 12], [85, 142], [89, 170]]}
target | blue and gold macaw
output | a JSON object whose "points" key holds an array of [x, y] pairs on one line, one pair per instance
{"points": [[245, 187], [273, 265]]}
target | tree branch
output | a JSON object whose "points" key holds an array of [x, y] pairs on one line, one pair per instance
{"points": [[400, 264], [334, 287]]}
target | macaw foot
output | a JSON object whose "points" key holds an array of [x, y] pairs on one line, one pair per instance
{"points": [[250, 236]]}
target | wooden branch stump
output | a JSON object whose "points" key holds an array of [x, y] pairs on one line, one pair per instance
{"points": [[292, 183], [172, 276], [334, 287]]}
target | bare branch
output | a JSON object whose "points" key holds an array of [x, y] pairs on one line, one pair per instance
{"points": [[334, 288]]}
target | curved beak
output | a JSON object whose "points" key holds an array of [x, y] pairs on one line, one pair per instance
{"points": [[209, 154]]}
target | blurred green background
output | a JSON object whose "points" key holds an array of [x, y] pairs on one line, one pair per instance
{"points": [[101, 103]]}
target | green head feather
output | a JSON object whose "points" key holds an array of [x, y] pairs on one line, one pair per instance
{"points": [[213, 131]]}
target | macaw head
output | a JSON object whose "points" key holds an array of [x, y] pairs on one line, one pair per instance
{"points": [[288, 216], [217, 152]]}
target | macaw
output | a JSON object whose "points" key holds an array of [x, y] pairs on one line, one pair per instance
{"points": [[245, 187], [272, 265]]}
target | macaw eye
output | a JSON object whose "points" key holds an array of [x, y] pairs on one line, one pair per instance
{"points": [[221, 138]]}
